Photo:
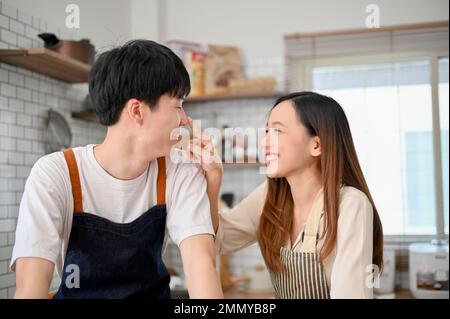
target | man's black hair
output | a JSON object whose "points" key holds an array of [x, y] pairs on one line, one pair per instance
{"points": [[140, 69]]}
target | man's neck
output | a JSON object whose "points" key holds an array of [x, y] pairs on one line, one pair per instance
{"points": [[120, 155]]}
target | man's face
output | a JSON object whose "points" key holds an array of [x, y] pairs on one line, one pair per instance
{"points": [[161, 123]]}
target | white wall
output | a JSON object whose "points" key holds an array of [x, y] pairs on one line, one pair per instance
{"points": [[25, 98], [105, 22], [144, 19], [258, 26]]}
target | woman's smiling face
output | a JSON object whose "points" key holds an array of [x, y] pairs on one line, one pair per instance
{"points": [[288, 146]]}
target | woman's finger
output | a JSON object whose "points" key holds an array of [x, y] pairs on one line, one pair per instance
{"points": [[195, 148], [202, 148], [197, 133]]}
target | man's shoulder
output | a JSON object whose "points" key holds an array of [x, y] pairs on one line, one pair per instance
{"points": [[49, 162], [177, 168], [53, 165]]}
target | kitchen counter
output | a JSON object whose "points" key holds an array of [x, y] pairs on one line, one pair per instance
{"points": [[404, 294], [235, 293]]}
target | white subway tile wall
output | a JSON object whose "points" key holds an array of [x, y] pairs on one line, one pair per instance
{"points": [[25, 98]]}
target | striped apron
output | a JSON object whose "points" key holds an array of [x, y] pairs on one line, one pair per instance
{"points": [[302, 276]]}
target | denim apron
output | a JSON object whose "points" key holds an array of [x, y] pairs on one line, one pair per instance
{"points": [[116, 260]]}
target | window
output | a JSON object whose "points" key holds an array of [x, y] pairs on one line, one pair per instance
{"points": [[389, 108], [443, 106]]}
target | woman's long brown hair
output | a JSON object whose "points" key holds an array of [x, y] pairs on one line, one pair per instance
{"points": [[323, 117]]}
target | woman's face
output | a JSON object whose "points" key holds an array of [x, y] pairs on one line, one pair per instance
{"points": [[288, 146]]}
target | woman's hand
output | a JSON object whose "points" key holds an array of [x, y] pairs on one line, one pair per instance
{"points": [[201, 150]]}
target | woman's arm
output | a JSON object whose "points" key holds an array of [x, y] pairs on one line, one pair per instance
{"points": [[351, 270], [202, 150], [238, 228], [235, 229]]}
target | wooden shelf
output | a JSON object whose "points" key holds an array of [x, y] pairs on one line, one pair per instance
{"points": [[49, 63], [390, 28], [90, 117], [242, 165], [225, 97], [85, 116]]}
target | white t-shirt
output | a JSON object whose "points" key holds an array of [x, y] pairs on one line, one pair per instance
{"points": [[46, 209]]}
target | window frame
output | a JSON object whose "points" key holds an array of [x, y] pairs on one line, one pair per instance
{"points": [[302, 77]]}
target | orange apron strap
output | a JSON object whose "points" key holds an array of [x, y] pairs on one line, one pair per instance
{"points": [[161, 181], [74, 180]]}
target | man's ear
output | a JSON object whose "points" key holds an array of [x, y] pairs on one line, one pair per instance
{"points": [[134, 111], [316, 147]]}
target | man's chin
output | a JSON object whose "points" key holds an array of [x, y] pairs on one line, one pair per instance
{"points": [[166, 151]]}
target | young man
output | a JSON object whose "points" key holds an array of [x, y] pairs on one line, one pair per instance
{"points": [[99, 213]]}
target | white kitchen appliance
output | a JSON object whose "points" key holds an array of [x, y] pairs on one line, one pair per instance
{"points": [[429, 270], [387, 278]]}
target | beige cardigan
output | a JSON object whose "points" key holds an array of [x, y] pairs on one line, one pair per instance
{"points": [[347, 268]]}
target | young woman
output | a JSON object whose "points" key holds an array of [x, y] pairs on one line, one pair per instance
{"points": [[314, 219]]}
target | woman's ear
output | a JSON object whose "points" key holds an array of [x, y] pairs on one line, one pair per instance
{"points": [[316, 147]]}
